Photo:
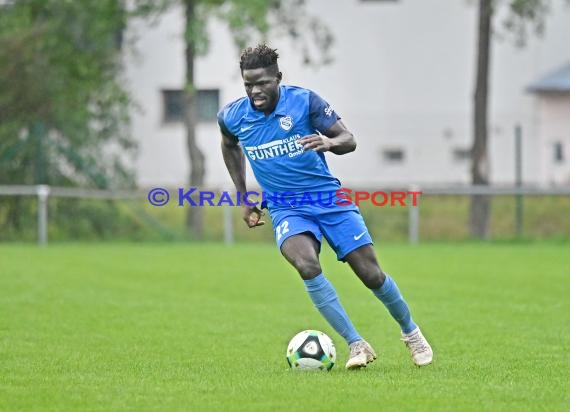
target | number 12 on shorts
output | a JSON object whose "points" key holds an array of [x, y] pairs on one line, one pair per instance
{"points": [[282, 229]]}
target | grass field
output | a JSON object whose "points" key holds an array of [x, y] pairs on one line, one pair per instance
{"points": [[187, 327]]}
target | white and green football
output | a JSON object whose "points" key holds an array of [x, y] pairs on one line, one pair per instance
{"points": [[311, 350]]}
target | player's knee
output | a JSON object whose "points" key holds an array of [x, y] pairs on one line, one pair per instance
{"points": [[307, 268], [373, 278]]}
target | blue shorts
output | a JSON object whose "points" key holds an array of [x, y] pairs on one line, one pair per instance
{"points": [[342, 226]]}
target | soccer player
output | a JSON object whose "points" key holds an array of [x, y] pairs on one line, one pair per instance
{"points": [[284, 132]]}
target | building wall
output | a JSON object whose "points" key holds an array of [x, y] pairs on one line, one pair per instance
{"points": [[554, 133], [402, 78]]}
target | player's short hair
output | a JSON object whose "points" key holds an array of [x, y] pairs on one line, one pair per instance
{"points": [[259, 57]]}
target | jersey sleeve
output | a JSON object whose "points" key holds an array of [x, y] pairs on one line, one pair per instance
{"points": [[322, 115], [222, 124]]}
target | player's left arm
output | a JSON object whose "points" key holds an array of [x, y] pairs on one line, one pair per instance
{"points": [[337, 139], [332, 135]]}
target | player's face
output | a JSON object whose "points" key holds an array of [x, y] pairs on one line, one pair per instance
{"points": [[262, 87]]}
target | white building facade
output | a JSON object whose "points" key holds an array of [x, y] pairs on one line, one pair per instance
{"points": [[402, 80]]}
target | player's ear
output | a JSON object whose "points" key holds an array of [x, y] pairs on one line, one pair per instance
{"points": [[279, 76]]}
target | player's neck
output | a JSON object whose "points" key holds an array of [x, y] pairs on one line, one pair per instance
{"points": [[269, 111]]}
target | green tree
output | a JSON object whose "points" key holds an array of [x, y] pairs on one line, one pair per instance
{"points": [[247, 20], [60, 100], [63, 112], [522, 16]]}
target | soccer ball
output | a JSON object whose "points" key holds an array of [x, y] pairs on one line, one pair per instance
{"points": [[311, 350]]}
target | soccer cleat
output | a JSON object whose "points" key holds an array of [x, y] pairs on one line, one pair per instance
{"points": [[361, 353], [418, 346]]}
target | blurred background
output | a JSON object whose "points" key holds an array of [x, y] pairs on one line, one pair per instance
{"points": [[468, 101]]}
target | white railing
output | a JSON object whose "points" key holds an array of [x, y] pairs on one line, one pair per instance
{"points": [[43, 192]]}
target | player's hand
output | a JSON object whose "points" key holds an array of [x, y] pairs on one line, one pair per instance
{"points": [[252, 216], [315, 142]]}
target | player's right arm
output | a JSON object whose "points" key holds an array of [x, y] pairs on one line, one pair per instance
{"points": [[235, 163], [234, 160]]}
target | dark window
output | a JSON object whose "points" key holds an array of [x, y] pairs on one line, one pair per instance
{"points": [[173, 103], [208, 102], [558, 152], [393, 155], [461, 154], [208, 105]]}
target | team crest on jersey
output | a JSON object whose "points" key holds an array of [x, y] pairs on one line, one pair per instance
{"points": [[286, 123]]}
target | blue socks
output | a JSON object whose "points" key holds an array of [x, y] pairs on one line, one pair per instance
{"points": [[326, 301], [391, 297]]}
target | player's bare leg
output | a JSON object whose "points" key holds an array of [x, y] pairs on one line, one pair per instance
{"points": [[302, 251]]}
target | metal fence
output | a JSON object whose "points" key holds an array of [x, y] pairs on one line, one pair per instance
{"points": [[43, 193]]}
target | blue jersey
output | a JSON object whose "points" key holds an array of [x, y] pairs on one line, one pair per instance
{"points": [[270, 142]]}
